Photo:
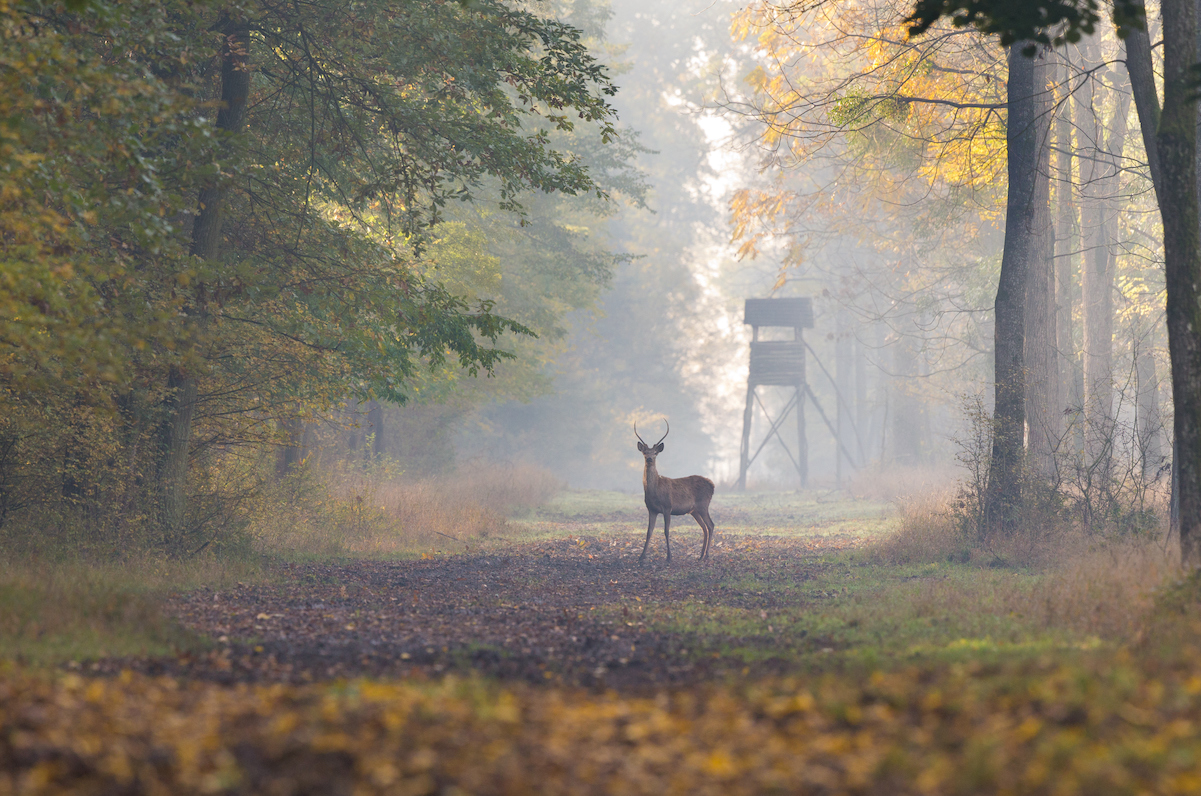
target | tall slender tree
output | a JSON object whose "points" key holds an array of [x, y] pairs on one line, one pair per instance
{"points": [[1044, 413], [1027, 238], [1066, 245], [1176, 145], [1100, 156]]}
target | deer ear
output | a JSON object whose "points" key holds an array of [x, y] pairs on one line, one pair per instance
{"points": [[641, 448], [659, 448]]}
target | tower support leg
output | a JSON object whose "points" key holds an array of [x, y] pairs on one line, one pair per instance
{"points": [[802, 440], [745, 458]]}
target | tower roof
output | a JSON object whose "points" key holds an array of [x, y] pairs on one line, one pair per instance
{"points": [[793, 312]]}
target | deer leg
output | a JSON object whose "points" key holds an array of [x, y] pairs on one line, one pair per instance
{"points": [[709, 535], [650, 528], [666, 538], [700, 520]]}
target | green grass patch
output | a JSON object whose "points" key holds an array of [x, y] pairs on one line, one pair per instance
{"points": [[55, 612], [805, 514], [845, 610]]}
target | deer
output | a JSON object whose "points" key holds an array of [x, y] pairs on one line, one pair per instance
{"points": [[673, 496]]}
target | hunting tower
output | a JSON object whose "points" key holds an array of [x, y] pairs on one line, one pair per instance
{"points": [[777, 363]]}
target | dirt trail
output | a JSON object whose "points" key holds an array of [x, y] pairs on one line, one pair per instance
{"points": [[567, 611]]}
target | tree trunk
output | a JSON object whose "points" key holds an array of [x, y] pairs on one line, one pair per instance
{"points": [[1044, 413], [880, 409], [1101, 185], [1067, 243], [375, 427], [1170, 138], [1176, 144], [1026, 132], [1094, 268], [179, 407], [907, 426], [174, 438], [862, 410], [1148, 423], [294, 450]]}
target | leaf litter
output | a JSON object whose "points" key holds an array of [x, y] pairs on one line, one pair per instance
{"points": [[567, 612], [503, 673]]}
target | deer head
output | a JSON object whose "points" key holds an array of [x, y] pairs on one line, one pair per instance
{"points": [[651, 451]]}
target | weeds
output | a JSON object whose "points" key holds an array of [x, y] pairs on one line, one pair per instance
{"points": [[929, 529], [1086, 584], [377, 510]]}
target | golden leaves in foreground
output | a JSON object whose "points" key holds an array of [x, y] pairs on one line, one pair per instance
{"points": [[1108, 726]]}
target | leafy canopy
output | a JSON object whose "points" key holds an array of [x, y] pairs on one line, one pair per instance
{"points": [[1049, 22]]}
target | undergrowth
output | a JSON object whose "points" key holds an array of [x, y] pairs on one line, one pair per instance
{"points": [[1056, 577], [352, 510]]}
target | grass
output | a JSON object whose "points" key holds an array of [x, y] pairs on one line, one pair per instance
{"points": [[60, 611], [924, 670], [913, 592], [851, 611], [898, 591], [808, 514]]}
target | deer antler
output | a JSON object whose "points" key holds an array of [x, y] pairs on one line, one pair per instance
{"points": [[661, 438], [665, 433]]}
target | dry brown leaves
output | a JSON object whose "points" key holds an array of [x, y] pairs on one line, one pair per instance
{"points": [[1042, 728], [564, 612]]}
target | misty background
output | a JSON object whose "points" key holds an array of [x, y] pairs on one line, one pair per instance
{"points": [[664, 336]]}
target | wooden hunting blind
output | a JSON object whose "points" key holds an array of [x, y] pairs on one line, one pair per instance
{"points": [[777, 363]]}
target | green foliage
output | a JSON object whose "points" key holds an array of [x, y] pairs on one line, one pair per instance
{"points": [[1051, 22], [90, 195], [363, 123], [412, 105]]}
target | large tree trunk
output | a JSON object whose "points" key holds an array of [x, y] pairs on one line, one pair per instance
{"points": [[1044, 412], [1176, 143], [1027, 216], [1170, 138], [176, 429]]}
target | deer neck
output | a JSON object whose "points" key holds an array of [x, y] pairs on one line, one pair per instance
{"points": [[651, 478]]}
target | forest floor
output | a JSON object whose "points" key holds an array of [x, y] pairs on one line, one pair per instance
{"points": [[562, 599], [549, 660]]}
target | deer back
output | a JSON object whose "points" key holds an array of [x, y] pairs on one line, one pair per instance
{"points": [[681, 495]]}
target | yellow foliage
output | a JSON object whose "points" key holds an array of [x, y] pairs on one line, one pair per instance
{"points": [[1119, 725], [864, 124]]}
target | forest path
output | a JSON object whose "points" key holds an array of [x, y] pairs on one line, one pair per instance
{"points": [[573, 606]]}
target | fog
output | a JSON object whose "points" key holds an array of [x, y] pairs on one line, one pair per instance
{"points": [[901, 282], [668, 339]]}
